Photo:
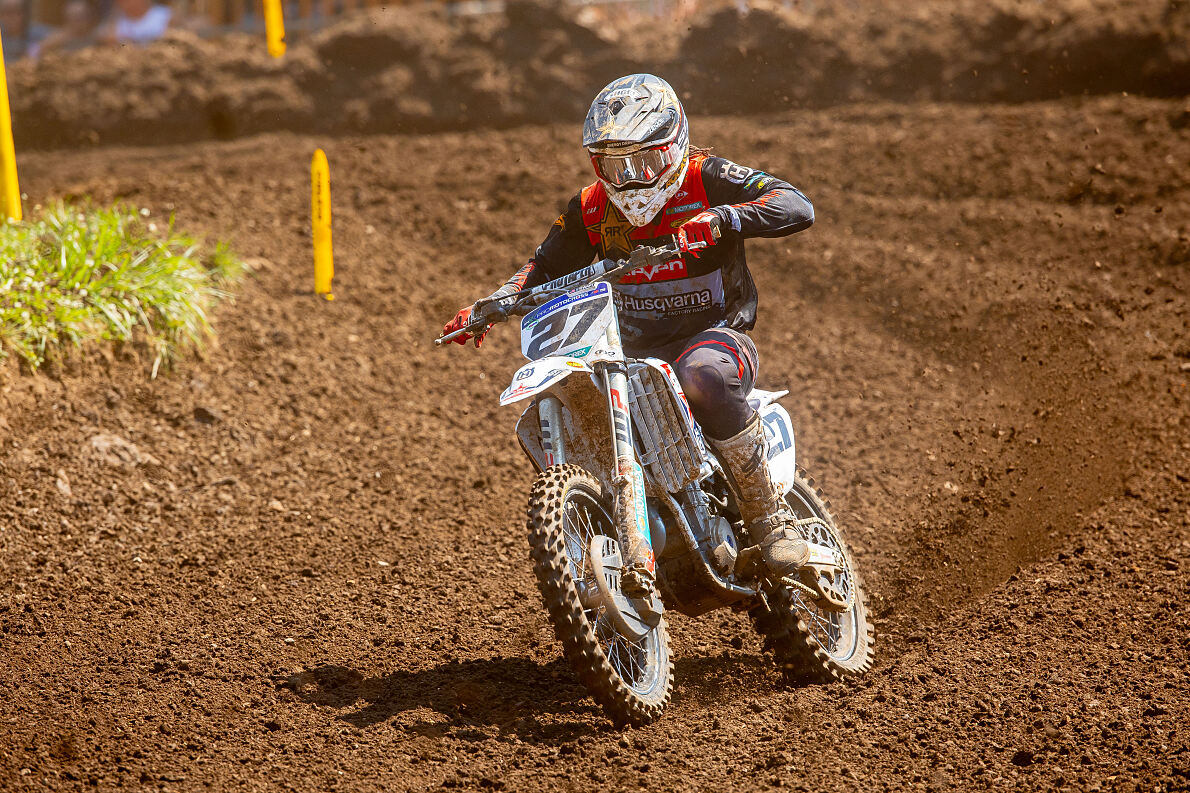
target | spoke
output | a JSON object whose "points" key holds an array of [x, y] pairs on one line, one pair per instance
{"points": [[588, 525], [630, 659], [573, 540], [637, 657], [819, 627], [827, 640], [579, 528], [628, 669], [614, 656], [630, 656], [584, 519]]}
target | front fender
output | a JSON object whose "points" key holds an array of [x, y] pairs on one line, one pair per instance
{"points": [[536, 376]]}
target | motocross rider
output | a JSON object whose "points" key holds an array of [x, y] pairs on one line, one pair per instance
{"points": [[693, 311]]}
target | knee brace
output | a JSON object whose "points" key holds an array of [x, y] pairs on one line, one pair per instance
{"points": [[711, 381]]}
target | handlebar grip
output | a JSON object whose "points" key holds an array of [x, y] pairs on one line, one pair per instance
{"points": [[469, 329], [438, 342]]}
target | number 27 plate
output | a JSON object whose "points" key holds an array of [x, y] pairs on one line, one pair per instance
{"points": [[567, 325]]}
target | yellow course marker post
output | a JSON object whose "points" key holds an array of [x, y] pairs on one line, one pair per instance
{"points": [[320, 216], [8, 154], [274, 27]]}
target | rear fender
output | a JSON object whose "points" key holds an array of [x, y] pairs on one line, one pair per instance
{"points": [[778, 432]]}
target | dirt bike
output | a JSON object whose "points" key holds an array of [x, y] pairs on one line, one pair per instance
{"points": [[625, 479]]}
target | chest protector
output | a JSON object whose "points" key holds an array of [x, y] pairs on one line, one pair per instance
{"points": [[669, 301]]}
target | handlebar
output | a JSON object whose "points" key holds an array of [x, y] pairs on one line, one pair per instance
{"points": [[454, 334], [490, 314], [499, 309]]}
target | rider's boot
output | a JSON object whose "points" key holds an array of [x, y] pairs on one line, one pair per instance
{"points": [[762, 507]]}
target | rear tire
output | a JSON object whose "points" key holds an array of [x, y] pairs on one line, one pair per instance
{"points": [[632, 681], [809, 644]]}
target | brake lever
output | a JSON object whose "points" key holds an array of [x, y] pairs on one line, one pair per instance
{"points": [[493, 312]]}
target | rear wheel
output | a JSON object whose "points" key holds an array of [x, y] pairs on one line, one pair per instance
{"points": [[572, 540], [811, 644]]}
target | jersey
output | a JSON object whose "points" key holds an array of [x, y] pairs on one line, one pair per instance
{"points": [[663, 304]]}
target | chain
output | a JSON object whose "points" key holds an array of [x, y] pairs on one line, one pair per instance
{"points": [[793, 583]]}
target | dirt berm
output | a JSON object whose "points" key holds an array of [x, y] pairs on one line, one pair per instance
{"points": [[403, 69]]}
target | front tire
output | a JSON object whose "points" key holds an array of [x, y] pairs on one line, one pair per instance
{"points": [[632, 681], [810, 644]]}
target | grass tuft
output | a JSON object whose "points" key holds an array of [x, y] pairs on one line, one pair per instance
{"points": [[79, 274]]}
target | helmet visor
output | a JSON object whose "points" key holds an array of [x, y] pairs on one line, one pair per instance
{"points": [[642, 167]]}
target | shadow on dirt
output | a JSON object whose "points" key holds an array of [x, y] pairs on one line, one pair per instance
{"points": [[536, 702], [539, 703]]}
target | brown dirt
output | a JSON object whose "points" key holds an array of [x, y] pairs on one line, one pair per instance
{"points": [[312, 573], [411, 69]]}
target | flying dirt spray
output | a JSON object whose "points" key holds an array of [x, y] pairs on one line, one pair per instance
{"points": [[8, 155], [320, 218], [274, 27]]}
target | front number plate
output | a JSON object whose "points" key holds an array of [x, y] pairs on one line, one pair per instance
{"points": [[567, 325]]}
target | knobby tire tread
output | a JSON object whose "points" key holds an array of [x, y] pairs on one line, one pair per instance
{"points": [[579, 642], [796, 652]]}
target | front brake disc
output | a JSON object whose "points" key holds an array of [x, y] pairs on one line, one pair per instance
{"points": [[608, 566]]}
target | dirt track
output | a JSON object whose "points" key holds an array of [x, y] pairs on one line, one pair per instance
{"points": [[319, 580]]}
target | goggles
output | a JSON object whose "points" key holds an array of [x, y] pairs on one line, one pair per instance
{"points": [[643, 167]]}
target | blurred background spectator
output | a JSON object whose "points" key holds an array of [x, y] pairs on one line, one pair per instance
{"points": [[22, 36], [31, 27], [77, 31], [136, 22]]}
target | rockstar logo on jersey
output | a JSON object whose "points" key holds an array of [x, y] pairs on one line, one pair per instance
{"points": [[613, 233]]}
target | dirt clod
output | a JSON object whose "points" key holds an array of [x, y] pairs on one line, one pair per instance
{"points": [[207, 415]]}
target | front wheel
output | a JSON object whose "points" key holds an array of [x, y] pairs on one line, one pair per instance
{"points": [[569, 523], [811, 644]]}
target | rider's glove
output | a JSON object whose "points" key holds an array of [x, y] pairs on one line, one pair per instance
{"points": [[705, 227], [461, 320]]}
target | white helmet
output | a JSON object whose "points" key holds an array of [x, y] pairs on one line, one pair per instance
{"points": [[639, 142]]}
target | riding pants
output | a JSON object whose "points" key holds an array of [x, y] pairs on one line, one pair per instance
{"points": [[717, 369]]}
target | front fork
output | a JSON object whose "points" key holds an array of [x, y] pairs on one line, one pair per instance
{"points": [[631, 513], [553, 440]]}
